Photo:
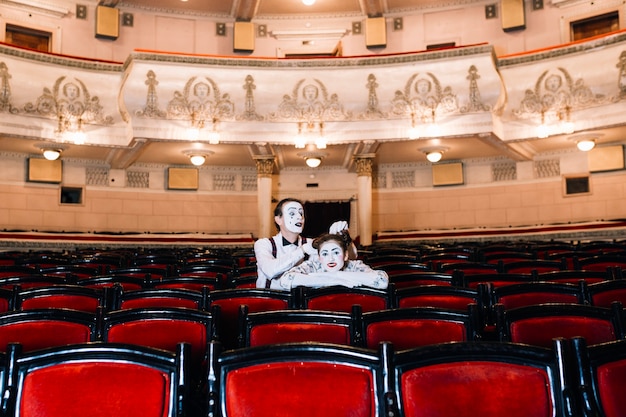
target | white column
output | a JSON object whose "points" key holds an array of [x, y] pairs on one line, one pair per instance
{"points": [[364, 164], [265, 167]]}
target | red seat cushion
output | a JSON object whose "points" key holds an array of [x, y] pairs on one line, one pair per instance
{"points": [[470, 389]]}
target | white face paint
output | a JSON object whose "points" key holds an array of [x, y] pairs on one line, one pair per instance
{"points": [[293, 217], [332, 256]]}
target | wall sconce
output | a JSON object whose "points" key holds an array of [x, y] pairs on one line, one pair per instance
{"points": [[567, 126], [313, 159], [434, 154], [197, 157], [414, 132], [70, 132], [195, 133], [307, 135], [542, 130]]}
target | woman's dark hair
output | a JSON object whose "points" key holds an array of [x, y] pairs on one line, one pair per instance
{"points": [[343, 238], [278, 210]]}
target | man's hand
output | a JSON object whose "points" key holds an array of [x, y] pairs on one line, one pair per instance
{"points": [[338, 227], [308, 249]]}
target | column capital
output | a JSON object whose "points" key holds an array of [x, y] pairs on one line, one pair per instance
{"points": [[364, 163], [264, 165]]}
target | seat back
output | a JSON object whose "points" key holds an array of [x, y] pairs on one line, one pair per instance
{"points": [[601, 377], [98, 380], [292, 326], [229, 301], [520, 295], [539, 324], [601, 262], [338, 298], [407, 328], [74, 297], [575, 276], [128, 282], [533, 265], [469, 268], [603, 294], [488, 379], [495, 280], [161, 328], [40, 329], [393, 268], [456, 298], [419, 278], [159, 297], [195, 283], [303, 379]]}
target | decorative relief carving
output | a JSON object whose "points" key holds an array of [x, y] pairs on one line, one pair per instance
{"points": [[554, 92], [201, 99], [310, 102], [621, 80], [364, 165], [151, 109], [547, 168], [249, 112], [475, 102], [5, 90], [264, 165], [424, 98], [70, 102], [372, 110]]}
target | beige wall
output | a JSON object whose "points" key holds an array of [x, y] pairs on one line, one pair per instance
{"points": [[528, 204], [36, 207], [464, 25]]}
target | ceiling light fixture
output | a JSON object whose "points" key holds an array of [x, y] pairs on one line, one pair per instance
{"points": [[434, 153], [586, 145], [313, 159], [313, 162], [308, 2], [585, 141], [51, 154], [50, 151], [197, 160], [197, 156], [434, 156]]}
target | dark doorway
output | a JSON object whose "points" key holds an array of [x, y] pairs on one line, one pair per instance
{"points": [[320, 215]]}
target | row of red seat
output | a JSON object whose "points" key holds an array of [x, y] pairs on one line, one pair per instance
{"points": [[462, 379], [568, 379]]}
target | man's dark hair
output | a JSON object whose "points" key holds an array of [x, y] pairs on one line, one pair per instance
{"points": [[278, 210]]}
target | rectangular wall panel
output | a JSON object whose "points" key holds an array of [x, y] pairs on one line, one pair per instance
{"points": [[42, 170], [606, 158], [107, 22], [375, 32], [243, 37], [448, 174], [182, 179], [513, 15]]}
